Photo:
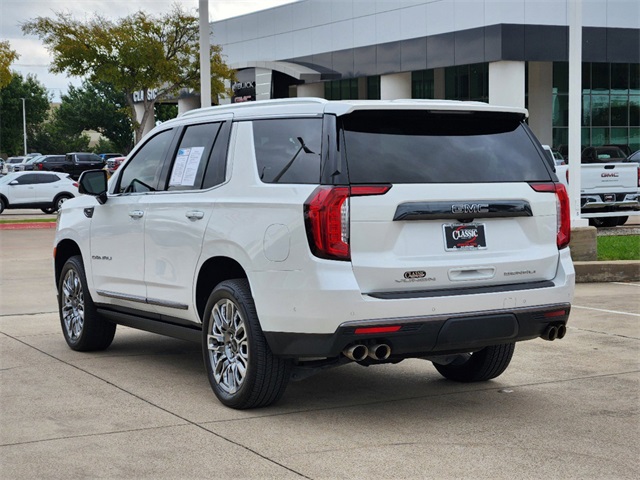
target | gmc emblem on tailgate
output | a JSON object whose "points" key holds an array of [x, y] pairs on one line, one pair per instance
{"points": [[470, 208], [609, 175]]}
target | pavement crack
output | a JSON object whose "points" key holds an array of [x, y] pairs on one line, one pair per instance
{"points": [[608, 334]]}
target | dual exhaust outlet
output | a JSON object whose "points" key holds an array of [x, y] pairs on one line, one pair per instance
{"points": [[359, 352], [553, 332]]}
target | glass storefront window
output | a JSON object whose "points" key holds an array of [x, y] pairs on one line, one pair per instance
{"points": [[619, 136], [599, 136], [600, 77], [619, 110], [467, 82], [373, 87], [346, 89], [586, 110], [561, 110], [600, 110], [422, 84], [619, 78], [634, 110]]}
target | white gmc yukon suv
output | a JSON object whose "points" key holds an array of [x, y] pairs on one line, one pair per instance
{"points": [[291, 236]]}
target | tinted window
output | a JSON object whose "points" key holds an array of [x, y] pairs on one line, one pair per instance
{"points": [[88, 157], [28, 179], [424, 147], [142, 173], [44, 178], [191, 160], [288, 151]]}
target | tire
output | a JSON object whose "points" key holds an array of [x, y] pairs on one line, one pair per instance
{"points": [[57, 203], [2, 205], [48, 210], [83, 328], [604, 222], [622, 220], [242, 371], [488, 363]]}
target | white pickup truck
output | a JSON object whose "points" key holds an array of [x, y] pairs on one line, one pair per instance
{"points": [[606, 188]]}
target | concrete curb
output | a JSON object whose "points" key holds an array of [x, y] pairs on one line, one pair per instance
{"points": [[611, 271]]}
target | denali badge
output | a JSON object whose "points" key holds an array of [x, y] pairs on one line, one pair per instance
{"points": [[415, 275], [470, 208]]}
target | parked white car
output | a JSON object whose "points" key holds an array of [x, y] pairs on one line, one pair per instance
{"points": [[291, 236], [44, 190]]}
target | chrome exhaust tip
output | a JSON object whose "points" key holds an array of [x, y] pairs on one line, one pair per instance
{"points": [[380, 351], [551, 333], [357, 353], [562, 331]]}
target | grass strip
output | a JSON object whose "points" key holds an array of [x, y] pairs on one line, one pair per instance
{"points": [[31, 220], [622, 247]]}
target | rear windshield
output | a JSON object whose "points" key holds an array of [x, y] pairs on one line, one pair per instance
{"points": [[425, 147]]}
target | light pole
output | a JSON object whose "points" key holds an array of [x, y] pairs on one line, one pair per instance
{"points": [[24, 126], [205, 57]]}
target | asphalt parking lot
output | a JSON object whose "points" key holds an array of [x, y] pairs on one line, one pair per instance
{"points": [[143, 408]]}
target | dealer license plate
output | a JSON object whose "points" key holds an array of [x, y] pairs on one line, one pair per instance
{"points": [[468, 236]]}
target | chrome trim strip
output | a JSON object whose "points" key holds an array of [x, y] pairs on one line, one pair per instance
{"points": [[122, 296], [467, 210], [167, 303], [138, 299]]}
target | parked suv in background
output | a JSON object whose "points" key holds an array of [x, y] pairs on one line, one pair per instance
{"points": [[292, 236], [44, 190]]}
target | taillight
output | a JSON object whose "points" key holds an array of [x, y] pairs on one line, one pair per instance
{"points": [[326, 215], [562, 207], [76, 184], [639, 175]]}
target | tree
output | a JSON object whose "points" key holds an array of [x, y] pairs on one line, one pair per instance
{"points": [[7, 57], [36, 108], [52, 138], [138, 53], [97, 106]]}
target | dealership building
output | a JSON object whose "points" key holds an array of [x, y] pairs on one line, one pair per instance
{"points": [[505, 52]]}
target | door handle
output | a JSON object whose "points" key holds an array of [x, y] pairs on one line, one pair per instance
{"points": [[136, 214], [194, 215]]}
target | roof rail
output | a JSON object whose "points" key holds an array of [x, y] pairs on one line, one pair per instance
{"points": [[258, 103]]}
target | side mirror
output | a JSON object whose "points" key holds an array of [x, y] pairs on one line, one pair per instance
{"points": [[94, 183], [14, 182]]}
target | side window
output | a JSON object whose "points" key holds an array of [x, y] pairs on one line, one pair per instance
{"points": [[288, 150], [28, 179], [142, 173], [192, 157], [44, 178]]}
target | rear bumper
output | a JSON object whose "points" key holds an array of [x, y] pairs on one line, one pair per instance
{"points": [[422, 336], [611, 202]]}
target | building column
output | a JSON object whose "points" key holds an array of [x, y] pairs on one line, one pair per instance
{"points": [[394, 86], [506, 83], [151, 120], [311, 90], [541, 101], [438, 84], [188, 103], [263, 84]]}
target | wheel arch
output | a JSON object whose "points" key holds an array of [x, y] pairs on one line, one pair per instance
{"points": [[212, 272], [64, 251]]}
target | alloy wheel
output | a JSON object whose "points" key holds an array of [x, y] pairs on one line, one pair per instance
{"points": [[228, 346], [72, 305]]}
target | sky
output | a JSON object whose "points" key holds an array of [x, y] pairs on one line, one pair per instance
{"points": [[35, 59]]}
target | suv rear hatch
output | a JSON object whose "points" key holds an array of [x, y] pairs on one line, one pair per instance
{"points": [[462, 211]]}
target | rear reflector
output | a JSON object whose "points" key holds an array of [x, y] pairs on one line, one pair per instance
{"points": [[555, 313], [368, 330]]}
